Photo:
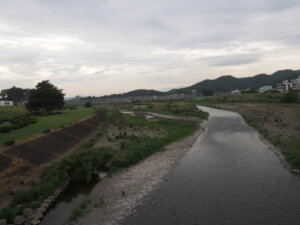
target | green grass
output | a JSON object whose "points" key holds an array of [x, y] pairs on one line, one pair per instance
{"points": [[80, 210], [46, 123], [245, 98], [138, 148], [9, 112], [174, 109]]}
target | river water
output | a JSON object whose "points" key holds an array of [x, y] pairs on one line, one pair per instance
{"points": [[228, 177]]}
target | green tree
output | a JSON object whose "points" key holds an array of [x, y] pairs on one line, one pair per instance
{"points": [[290, 97], [15, 94], [88, 104], [45, 98]]}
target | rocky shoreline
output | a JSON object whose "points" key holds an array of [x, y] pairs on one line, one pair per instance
{"points": [[35, 216], [121, 193]]}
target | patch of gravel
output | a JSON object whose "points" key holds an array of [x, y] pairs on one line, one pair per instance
{"points": [[122, 192]]}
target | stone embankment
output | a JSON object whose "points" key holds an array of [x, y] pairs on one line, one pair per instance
{"points": [[35, 216]]}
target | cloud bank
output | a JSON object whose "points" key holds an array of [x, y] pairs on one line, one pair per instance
{"points": [[97, 47]]}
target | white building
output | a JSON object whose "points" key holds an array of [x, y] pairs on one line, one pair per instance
{"points": [[296, 84], [6, 103], [286, 85]]}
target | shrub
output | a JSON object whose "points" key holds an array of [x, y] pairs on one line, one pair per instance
{"points": [[5, 128], [88, 104], [46, 131], [80, 165], [9, 143], [290, 97]]}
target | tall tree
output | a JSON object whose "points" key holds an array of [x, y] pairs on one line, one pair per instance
{"points": [[45, 97], [15, 94]]}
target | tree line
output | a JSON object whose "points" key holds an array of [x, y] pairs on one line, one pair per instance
{"points": [[44, 98]]}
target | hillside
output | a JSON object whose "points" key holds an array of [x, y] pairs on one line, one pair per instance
{"points": [[228, 83], [225, 84]]}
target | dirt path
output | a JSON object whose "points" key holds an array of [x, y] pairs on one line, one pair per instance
{"points": [[121, 193], [162, 116]]}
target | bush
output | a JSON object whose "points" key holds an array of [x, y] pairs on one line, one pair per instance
{"points": [[70, 107], [46, 131], [5, 128], [290, 97], [22, 121], [80, 165], [88, 104], [9, 143]]}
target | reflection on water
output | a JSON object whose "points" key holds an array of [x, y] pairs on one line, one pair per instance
{"points": [[228, 177], [71, 198]]}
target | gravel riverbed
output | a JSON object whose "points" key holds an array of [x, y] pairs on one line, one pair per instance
{"points": [[115, 197]]}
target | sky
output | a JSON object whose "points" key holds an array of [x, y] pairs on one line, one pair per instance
{"points": [[98, 47]]}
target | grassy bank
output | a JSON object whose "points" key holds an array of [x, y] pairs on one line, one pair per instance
{"points": [[80, 165], [9, 112], [43, 122], [177, 108], [245, 98]]}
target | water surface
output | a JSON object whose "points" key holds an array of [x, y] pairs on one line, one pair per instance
{"points": [[228, 177]]}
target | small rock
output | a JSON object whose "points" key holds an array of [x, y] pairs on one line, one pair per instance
{"points": [[19, 220], [35, 221], [45, 205], [42, 210], [47, 201], [27, 212], [38, 215], [3, 222]]}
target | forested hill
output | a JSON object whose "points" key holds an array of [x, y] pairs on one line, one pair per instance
{"points": [[228, 83], [222, 84], [139, 92]]}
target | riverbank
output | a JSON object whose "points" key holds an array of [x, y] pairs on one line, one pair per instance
{"points": [[121, 142], [278, 123], [122, 192], [229, 176]]}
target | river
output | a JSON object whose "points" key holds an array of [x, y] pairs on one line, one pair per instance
{"points": [[228, 177]]}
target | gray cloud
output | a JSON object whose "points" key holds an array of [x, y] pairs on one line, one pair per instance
{"points": [[233, 60], [117, 45]]}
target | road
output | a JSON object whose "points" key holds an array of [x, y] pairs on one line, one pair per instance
{"points": [[228, 177]]}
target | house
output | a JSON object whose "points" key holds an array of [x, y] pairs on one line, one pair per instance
{"points": [[6, 103], [286, 85], [265, 89], [296, 84]]}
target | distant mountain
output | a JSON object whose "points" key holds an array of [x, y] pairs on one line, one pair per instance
{"points": [[224, 84], [137, 93], [228, 83]]}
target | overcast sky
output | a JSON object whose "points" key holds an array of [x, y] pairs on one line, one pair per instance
{"points": [[97, 47]]}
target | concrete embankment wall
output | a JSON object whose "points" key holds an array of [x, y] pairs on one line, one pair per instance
{"points": [[49, 147]]}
